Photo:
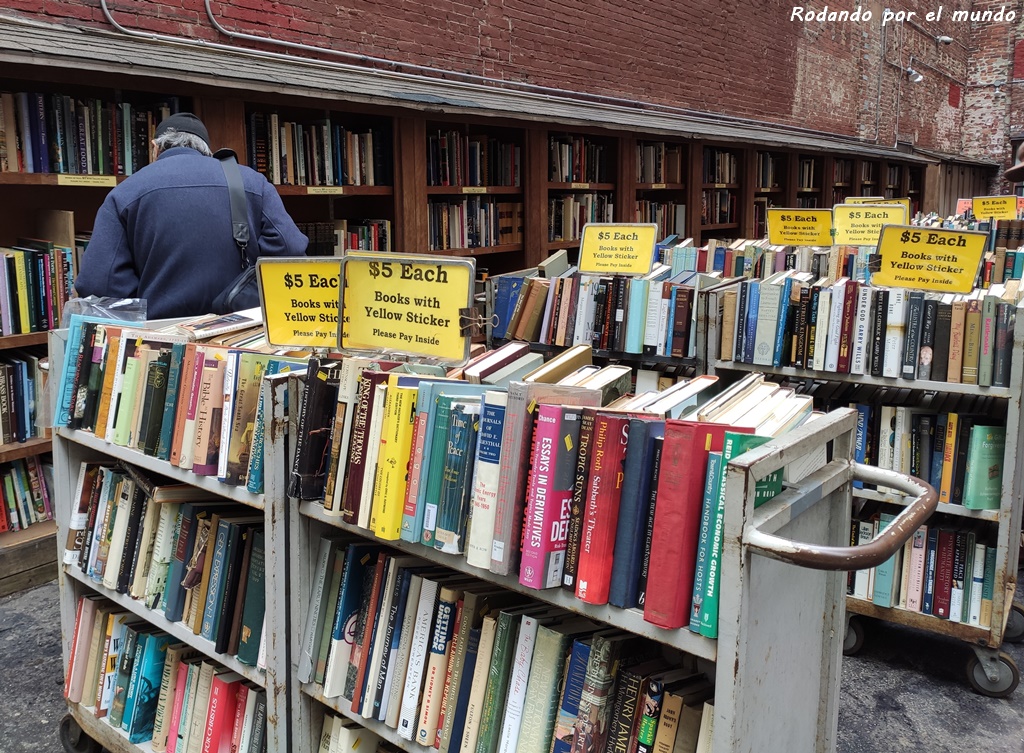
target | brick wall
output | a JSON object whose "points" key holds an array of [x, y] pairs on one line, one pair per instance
{"points": [[738, 58]]}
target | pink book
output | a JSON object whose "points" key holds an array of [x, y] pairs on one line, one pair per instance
{"points": [[917, 559], [240, 701], [412, 489], [220, 714], [549, 495], [179, 697], [189, 433]]}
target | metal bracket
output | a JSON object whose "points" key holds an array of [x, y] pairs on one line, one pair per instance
{"points": [[989, 660], [472, 322]]}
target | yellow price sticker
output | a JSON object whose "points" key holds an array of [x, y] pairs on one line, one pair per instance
{"points": [[407, 304], [474, 189], [579, 185], [325, 190], [861, 224], [995, 207], [607, 248], [300, 301], [93, 181], [929, 258], [800, 227]]}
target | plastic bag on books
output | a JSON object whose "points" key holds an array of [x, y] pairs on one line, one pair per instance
{"points": [[122, 309]]}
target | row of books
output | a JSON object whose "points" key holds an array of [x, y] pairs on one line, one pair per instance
{"points": [[650, 315], [658, 162], [960, 453], [807, 174], [26, 487], [363, 235], [718, 206], [568, 213], [339, 734], [669, 216], [55, 133], [458, 665], [844, 326], [457, 159], [473, 222], [317, 152], [196, 405], [23, 379], [158, 691], [720, 166], [809, 202], [577, 159], [943, 570], [842, 171], [769, 170], [37, 277], [194, 558]]}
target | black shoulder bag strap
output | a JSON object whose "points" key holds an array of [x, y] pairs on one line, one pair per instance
{"points": [[239, 208]]}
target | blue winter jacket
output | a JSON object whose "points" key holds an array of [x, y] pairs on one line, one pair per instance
{"points": [[165, 235]]}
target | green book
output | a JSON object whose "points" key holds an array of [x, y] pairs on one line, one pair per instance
{"points": [[435, 465], [126, 402], [457, 477], [988, 587], [498, 674], [988, 340], [255, 605], [965, 611], [144, 691], [983, 479], [325, 620], [163, 447], [546, 668], [734, 446], [886, 573]]}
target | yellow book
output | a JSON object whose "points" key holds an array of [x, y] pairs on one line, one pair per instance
{"points": [[948, 456], [126, 405], [198, 605], [393, 461], [107, 388], [21, 279], [243, 418]]}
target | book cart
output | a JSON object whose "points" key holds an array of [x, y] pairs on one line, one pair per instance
{"points": [[989, 671], [70, 449]]}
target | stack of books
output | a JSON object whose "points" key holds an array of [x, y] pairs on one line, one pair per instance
{"points": [[474, 222], [26, 488], [36, 279]]}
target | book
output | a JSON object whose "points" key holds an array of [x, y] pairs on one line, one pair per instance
{"points": [[456, 477], [485, 484], [983, 472]]}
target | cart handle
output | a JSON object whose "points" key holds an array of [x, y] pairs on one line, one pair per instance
{"points": [[862, 556]]}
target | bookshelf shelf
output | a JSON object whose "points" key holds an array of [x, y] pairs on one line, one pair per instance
{"points": [[176, 629], [28, 557], [966, 633], [209, 483], [772, 189], [552, 186], [555, 245], [113, 740], [720, 185], [506, 248], [721, 226], [626, 619], [912, 384], [840, 185], [342, 706], [18, 450], [660, 186], [471, 190], [57, 179], [288, 190], [612, 355], [807, 189], [20, 341], [944, 508]]}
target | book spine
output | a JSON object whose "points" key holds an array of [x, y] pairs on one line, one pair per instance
{"points": [[485, 485]]}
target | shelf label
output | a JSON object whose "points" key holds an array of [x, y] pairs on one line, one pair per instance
{"points": [[625, 249], [579, 185], [800, 227], [721, 185], [299, 298], [963, 206], [93, 181], [657, 185], [861, 224], [879, 200], [405, 304], [995, 207], [929, 258], [474, 189], [325, 190]]}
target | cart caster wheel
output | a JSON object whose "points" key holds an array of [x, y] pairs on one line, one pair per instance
{"points": [[1009, 677], [1015, 624], [853, 642], [74, 739]]}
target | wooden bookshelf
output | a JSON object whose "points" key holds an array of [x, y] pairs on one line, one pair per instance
{"points": [[28, 557], [19, 450]]}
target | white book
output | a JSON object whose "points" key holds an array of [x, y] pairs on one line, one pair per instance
{"points": [[663, 323], [915, 584], [425, 609], [275, 148], [230, 370], [516, 699], [316, 602], [261, 655], [821, 328], [105, 480], [552, 293], [248, 719], [977, 585], [485, 489], [706, 736], [353, 739], [163, 549], [892, 358], [901, 440], [583, 329], [860, 578], [372, 453], [375, 682], [116, 552], [326, 732], [861, 328], [476, 691], [835, 325], [399, 665], [653, 314], [767, 321], [79, 518]]}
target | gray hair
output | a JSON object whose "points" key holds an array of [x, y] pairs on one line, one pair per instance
{"points": [[173, 138]]}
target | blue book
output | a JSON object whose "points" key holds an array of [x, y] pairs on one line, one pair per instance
{"points": [[636, 315], [750, 325], [456, 477], [394, 631], [146, 677], [358, 558], [629, 532], [462, 700], [66, 387], [505, 295], [669, 319], [707, 510], [938, 447], [860, 445], [572, 690], [928, 600], [886, 573], [254, 483], [216, 588], [1018, 265], [163, 448], [718, 260], [780, 330], [175, 595]]}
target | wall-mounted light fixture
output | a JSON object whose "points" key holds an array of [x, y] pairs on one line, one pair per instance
{"points": [[914, 76]]}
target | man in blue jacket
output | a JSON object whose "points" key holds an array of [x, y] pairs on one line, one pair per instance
{"points": [[164, 234]]}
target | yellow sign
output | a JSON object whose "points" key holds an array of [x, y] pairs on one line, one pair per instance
{"points": [[300, 301], [995, 207], [929, 258], [861, 224], [325, 190], [407, 304], [93, 181], [963, 206], [879, 200], [800, 227], [617, 249], [474, 189], [579, 185]]}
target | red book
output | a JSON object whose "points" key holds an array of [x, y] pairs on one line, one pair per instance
{"points": [[179, 698], [846, 332], [357, 445], [601, 508], [236, 728], [943, 572], [446, 694], [684, 462], [360, 652], [220, 714]]}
